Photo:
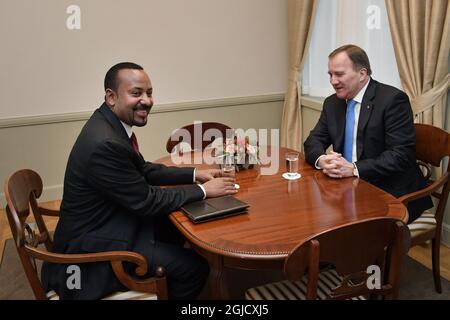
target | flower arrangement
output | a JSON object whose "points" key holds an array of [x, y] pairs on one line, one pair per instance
{"points": [[245, 155]]}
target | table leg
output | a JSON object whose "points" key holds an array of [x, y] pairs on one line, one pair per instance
{"points": [[217, 282]]}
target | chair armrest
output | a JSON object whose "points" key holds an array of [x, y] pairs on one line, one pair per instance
{"points": [[48, 212], [107, 256], [50, 208], [426, 191], [155, 284]]}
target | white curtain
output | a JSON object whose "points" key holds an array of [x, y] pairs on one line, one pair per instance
{"points": [[339, 22]]}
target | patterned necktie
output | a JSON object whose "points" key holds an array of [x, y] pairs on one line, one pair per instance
{"points": [[349, 126], [134, 143]]}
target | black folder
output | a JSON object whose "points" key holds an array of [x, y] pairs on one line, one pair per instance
{"points": [[214, 208]]}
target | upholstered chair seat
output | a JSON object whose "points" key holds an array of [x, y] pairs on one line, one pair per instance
{"points": [[126, 295], [296, 290], [423, 224]]}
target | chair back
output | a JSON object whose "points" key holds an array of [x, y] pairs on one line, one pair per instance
{"points": [[432, 145], [189, 134], [22, 189], [367, 255]]}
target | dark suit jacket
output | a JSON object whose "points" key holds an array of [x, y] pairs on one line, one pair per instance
{"points": [[385, 143], [110, 193]]}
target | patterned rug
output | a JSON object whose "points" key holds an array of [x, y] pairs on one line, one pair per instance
{"points": [[417, 280]]}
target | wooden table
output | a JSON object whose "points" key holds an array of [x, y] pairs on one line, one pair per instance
{"points": [[282, 213]]}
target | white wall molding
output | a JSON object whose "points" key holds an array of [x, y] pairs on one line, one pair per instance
{"points": [[312, 102], [162, 108]]}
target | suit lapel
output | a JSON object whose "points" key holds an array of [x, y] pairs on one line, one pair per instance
{"points": [[367, 106], [114, 121], [120, 131]]}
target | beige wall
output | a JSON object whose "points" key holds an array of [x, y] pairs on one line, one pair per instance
{"points": [[311, 108], [193, 50], [207, 59]]}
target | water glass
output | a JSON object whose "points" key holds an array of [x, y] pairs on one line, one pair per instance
{"points": [[228, 166], [292, 164]]}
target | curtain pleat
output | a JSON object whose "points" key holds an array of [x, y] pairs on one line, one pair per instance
{"points": [[421, 36], [300, 21]]}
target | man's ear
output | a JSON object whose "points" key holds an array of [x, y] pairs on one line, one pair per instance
{"points": [[362, 74], [110, 97]]}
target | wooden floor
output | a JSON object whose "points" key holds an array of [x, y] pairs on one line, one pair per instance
{"points": [[421, 253]]}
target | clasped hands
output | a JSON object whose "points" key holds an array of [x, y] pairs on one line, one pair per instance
{"points": [[335, 165], [216, 183]]}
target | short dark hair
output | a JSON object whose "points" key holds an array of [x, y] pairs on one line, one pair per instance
{"points": [[111, 75], [357, 55]]}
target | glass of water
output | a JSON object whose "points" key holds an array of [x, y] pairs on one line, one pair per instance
{"points": [[228, 166], [292, 164]]}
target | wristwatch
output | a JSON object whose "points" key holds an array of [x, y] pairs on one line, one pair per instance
{"points": [[355, 170]]}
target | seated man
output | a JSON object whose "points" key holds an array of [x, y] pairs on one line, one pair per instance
{"points": [[370, 126], [112, 200]]}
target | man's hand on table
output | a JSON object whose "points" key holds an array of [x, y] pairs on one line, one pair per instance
{"points": [[335, 166], [218, 187], [205, 175]]}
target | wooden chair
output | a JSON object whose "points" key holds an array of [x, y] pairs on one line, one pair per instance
{"points": [[432, 145], [187, 133], [22, 189], [352, 254]]}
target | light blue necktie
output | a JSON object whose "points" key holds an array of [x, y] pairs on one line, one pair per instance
{"points": [[349, 125]]}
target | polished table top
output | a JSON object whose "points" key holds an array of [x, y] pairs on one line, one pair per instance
{"points": [[282, 213]]}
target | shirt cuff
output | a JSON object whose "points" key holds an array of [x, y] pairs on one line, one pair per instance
{"points": [[204, 191], [317, 162], [355, 172], [193, 181]]}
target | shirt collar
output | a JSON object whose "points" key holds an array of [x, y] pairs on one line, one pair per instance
{"points": [[359, 97], [127, 129]]}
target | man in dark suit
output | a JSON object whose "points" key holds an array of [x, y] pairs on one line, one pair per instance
{"points": [[370, 126], [112, 200]]}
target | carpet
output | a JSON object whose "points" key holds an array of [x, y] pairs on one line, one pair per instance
{"points": [[416, 283]]}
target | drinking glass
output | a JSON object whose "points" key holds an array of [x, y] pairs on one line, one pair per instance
{"points": [[228, 166], [292, 164]]}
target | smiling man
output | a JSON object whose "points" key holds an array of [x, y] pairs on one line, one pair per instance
{"points": [[112, 199], [370, 126]]}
